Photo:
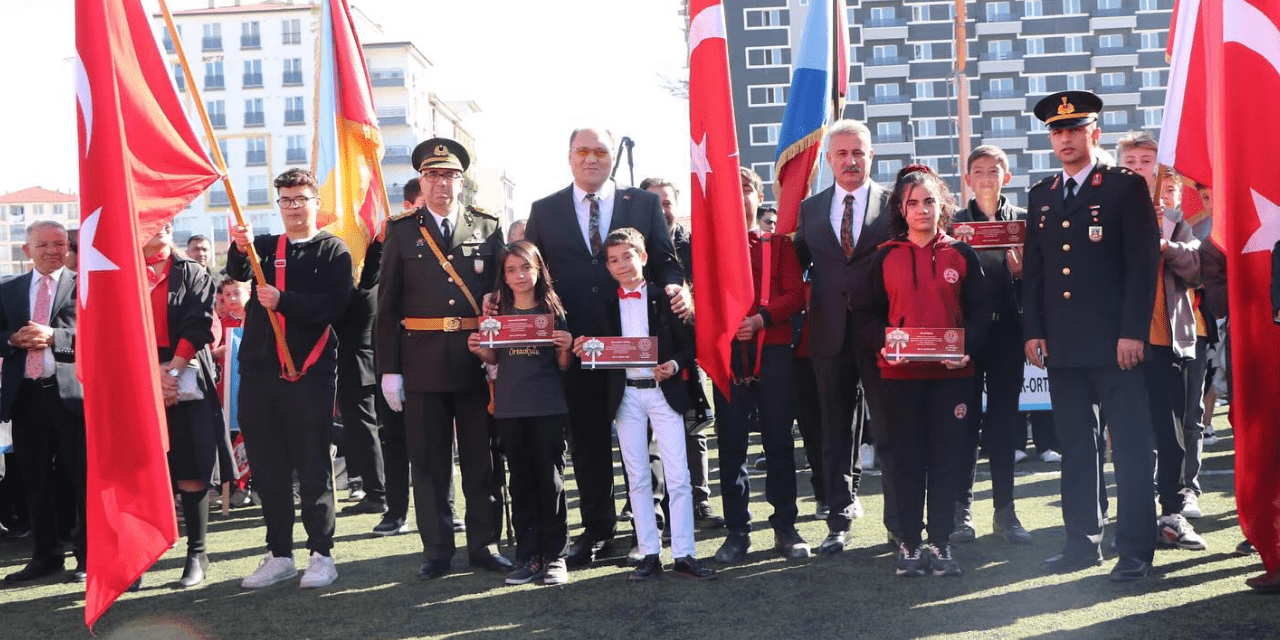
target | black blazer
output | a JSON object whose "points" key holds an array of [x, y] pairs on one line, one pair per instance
{"points": [[1005, 289], [15, 312], [675, 342], [582, 280], [839, 283]]}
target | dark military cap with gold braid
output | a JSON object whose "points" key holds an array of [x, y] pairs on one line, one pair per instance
{"points": [[1067, 109], [440, 153]]}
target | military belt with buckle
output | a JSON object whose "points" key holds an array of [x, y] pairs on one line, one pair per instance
{"points": [[441, 324]]}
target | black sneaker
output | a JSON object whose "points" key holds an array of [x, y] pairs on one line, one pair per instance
{"points": [[532, 569], [704, 517], [1007, 525], [391, 526], [789, 543], [963, 531], [736, 546], [913, 561], [689, 567], [941, 561]]}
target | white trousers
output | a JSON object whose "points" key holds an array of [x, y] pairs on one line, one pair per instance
{"points": [[639, 409]]}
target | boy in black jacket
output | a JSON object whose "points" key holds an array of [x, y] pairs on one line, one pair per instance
{"points": [[639, 397]]}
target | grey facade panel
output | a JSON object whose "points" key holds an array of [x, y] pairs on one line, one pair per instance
{"points": [[1056, 26], [1066, 63]]}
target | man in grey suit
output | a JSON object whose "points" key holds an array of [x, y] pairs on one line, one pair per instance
{"points": [[40, 393], [839, 230]]}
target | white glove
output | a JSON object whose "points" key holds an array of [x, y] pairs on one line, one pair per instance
{"points": [[393, 391]]}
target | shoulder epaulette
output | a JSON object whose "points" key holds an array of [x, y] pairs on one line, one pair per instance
{"points": [[481, 211], [403, 214], [1045, 181]]}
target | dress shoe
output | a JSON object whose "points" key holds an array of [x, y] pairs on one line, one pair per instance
{"points": [[650, 567], [35, 569], [834, 543], [366, 506], [493, 562], [689, 567], [1007, 526], [735, 547], [193, 573], [1130, 569], [433, 569], [1067, 563], [583, 551], [80, 574], [963, 531], [704, 517]]}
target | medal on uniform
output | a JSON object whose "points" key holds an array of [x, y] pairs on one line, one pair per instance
{"points": [[1097, 179], [1095, 233], [479, 265]]}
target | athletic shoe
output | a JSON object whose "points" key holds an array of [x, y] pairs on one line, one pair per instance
{"points": [[1019, 455], [1191, 505], [856, 508], [735, 547], [704, 517], [532, 569], [867, 454], [321, 572], [913, 562], [557, 573], [790, 544], [1245, 548], [821, 511], [963, 531], [942, 563], [1210, 439], [1049, 455], [1175, 531], [271, 570], [390, 526], [355, 490]]}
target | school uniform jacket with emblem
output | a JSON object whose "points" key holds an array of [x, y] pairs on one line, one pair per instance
{"points": [[1089, 275], [413, 284]]}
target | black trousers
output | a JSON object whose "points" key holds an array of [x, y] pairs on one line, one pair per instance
{"points": [[1193, 423], [591, 448], [771, 395], [929, 428], [288, 428], [43, 430], [395, 459], [809, 422], [997, 369], [360, 442], [429, 432], [1166, 389], [1076, 394], [535, 449]]}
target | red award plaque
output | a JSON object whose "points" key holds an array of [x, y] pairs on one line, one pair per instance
{"points": [[619, 353], [991, 235], [914, 343], [516, 331]]}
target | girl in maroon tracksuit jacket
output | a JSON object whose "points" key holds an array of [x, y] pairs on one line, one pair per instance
{"points": [[924, 278]]}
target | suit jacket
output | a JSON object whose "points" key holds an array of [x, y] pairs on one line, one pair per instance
{"points": [[412, 284], [1089, 273], [675, 342], [582, 280], [838, 283], [355, 327], [15, 312]]}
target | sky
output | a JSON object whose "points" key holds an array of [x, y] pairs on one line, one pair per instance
{"points": [[537, 70]]}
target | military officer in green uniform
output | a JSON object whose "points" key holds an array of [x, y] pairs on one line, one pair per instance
{"points": [[1089, 288], [438, 262]]}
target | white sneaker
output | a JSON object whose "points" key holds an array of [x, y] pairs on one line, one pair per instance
{"points": [[1210, 439], [1191, 505], [1019, 455], [270, 571], [867, 453], [320, 573], [1049, 455]]}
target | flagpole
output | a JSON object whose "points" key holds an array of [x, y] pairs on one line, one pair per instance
{"points": [[221, 165]]}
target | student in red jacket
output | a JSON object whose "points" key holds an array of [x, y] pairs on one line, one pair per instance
{"points": [[923, 278]]}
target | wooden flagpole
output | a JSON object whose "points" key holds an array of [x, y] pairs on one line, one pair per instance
{"points": [[221, 163]]}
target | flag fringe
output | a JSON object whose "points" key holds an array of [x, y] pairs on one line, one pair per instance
{"points": [[798, 147]]}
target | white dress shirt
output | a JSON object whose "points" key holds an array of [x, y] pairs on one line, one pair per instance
{"points": [[635, 324], [859, 209], [1080, 178], [583, 209], [453, 224], [49, 364]]}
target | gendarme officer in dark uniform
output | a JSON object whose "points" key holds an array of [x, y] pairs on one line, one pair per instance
{"points": [[1089, 289], [437, 264]]}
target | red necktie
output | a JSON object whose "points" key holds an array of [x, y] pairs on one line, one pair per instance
{"points": [[40, 315], [623, 295]]}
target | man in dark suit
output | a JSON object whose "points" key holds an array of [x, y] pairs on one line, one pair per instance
{"points": [[39, 392], [1091, 254], [357, 390], [427, 305], [839, 230], [569, 227]]}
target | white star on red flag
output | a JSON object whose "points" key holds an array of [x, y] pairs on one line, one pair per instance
{"points": [[91, 259]]}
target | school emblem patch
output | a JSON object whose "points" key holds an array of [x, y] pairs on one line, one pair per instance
{"points": [[951, 275]]}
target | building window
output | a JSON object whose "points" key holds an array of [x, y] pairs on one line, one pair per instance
{"points": [[1115, 79], [1110, 41], [1032, 8], [884, 54], [924, 50], [218, 195], [223, 145], [252, 74], [291, 31], [59, 210], [1040, 161], [764, 170], [168, 40], [924, 89], [886, 93], [887, 169], [920, 12], [1153, 117], [179, 79], [926, 127], [889, 132], [1073, 44], [765, 134], [1075, 82], [767, 18], [258, 190], [250, 36], [292, 72], [1000, 87], [1108, 4], [999, 49], [768, 56], [1070, 7], [1148, 5], [1115, 118], [998, 12], [1151, 40], [255, 152], [212, 40], [1037, 84], [1004, 125], [1151, 79], [297, 151], [217, 110], [293, 113], [883, 17], [766, 95], [253, 114], [213, 78]]}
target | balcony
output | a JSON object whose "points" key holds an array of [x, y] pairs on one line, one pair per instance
{"points": [[254, 157], [1000, 95], [211, 44], [886, 22], [292, 78], [1004, 133], [880, 61], [291, 37], [294, 117], [253, 80], [250, 42], [214, 82], [1108, 13], [259, 196], [295, 156], [218, 120], [1001, 17], [896, 99], [218, 199], [888, 138], [997, 55], [396, 155], [386, 78], [254, 119], [1118, 88]]}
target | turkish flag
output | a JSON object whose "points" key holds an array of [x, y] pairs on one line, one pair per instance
{"points": [[1225, 65], [724, 290], [140, 163]]}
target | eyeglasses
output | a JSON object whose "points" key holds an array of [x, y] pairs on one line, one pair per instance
{"points": [[436, 177], [294, 203], [583, 152]]}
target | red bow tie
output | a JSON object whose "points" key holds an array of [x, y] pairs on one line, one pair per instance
{"points": [[623, 295]]}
